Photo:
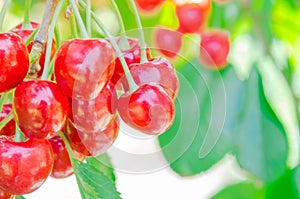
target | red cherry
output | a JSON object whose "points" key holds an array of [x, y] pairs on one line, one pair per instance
{"points": [[25, 34], [95, 114], [10, 128], [62, 167], [158, 70], [4, 195], [131, 55], [193, 16], [148, 5], [214, 48], [92, 143], [83, 67], [41, 109], [14, 61], [167, 41], [24, 165], [148, 109]]}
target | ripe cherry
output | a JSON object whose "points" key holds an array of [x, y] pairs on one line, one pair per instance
{"points": [[157, 70], [148, 5], [131, 55], [95, 114], [25, 33], [41, 109], [92, 143], [14, 61], [10, 128], [5, 195], [193, 17], [214, 49], [148, 109], [24, 165], [83, 67], [167, 41], [62, 167]]}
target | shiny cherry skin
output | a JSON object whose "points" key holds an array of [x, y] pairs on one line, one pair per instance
{"points": [[157, 70], [41, 108], [4, 195], [95, 114], [193, 17], [24, 165], [62, 167], [214, 49], [92, 143], [131, 55], [25, 33], [14, 61], [10, 128], [148, 5], [168, 42], [148, 109], [83, 67]]}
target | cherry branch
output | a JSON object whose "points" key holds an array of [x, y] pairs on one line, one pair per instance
{"points": [[41, 37]]}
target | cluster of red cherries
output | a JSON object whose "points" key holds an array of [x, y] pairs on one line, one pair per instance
{"points": [[192, 18], [80, 102]]}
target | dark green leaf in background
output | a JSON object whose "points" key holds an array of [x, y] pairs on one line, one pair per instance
{"points": [[244, 190], [260, 138], [215, 95]]}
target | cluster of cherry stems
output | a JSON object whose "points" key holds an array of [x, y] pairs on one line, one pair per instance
{"points": [[81, 98]]}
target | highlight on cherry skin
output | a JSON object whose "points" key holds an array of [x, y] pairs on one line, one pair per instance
{"points": [[157, 70], [24, 165], [148, 109], [95, 114], [41, 109], [92, 143], [74, 61], [14, 61]]}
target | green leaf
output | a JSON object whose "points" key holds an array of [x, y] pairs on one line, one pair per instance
{"points": [[284, 187], [201, 134], [261, 146], [103, 164], [280, 97], [93, 183], [244, 190], [20, 197]]}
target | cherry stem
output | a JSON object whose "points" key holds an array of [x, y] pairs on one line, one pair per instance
{"points": [[19, 137], [132, 85], [73, 161], [3, 12], [141, 33], [79, 20], [73, 26], [7, 119], [88, 17], [124, 44], [40, 37], [26, 23], [2, 100], [50, 39], [31, 36]]}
